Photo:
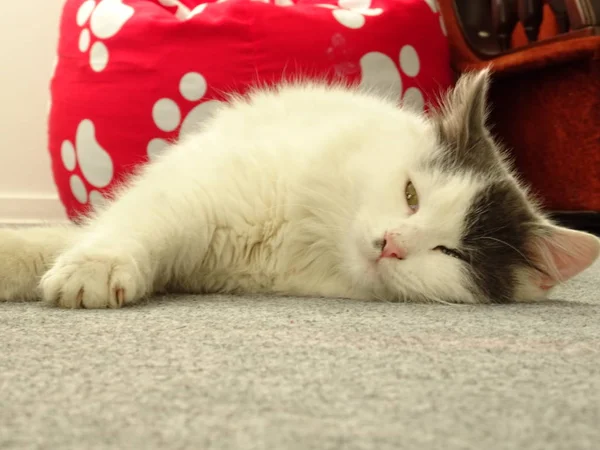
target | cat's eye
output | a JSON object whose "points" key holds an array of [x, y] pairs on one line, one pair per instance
{"points": [[412, 199], [449, 252]]}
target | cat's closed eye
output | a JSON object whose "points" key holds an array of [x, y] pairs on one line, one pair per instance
{"points": [[412, 199], [450, 252]]}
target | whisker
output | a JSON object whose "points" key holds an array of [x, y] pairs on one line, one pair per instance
{"points": [[381, 299], [500, 241]]}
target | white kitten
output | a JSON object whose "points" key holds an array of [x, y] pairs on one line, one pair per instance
{"points": [[313, 190]]}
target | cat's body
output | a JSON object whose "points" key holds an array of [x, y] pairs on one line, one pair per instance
{"points": [[305, 191]]}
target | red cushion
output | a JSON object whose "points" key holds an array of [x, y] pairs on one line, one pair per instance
{"points": [[134, 74]]}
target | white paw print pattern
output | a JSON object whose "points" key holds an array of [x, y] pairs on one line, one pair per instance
{"points": [[95, 163], [351, 13], [379, 74], [185, 13], [106, 18], [167, 116], [433, 4]]}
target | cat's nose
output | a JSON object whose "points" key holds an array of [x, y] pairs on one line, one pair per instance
{"points": [[390, 249]]}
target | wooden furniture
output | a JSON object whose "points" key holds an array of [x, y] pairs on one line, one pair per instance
{"points": [[496, 27], [545, 94]]}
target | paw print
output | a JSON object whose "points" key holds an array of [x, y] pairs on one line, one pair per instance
{"points": [[94, 162], [379, 73], [106, 18], [182, 11], [351, 13], [433, 4], [167, 115]]}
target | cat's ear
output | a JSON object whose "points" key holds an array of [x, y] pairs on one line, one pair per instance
{"points": [[462, 115], [561, 253]]}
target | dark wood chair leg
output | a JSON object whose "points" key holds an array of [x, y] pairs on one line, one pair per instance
{"points": [[531, 13], [559, 8], [504, 21]]}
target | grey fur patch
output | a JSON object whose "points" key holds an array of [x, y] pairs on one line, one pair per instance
{"points": [[501, 219], [498, 226]]}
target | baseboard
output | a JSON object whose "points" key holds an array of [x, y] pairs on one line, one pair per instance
{"points": [[18, 209]]}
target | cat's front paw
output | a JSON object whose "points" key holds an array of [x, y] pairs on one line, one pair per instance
{"points": [[96, 279]]}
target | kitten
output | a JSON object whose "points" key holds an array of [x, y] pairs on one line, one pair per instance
{"points": [[312, 190]]}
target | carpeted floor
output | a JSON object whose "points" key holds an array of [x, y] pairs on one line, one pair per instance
{"points": [[257, 373]]}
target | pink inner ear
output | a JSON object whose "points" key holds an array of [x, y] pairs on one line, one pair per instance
{"points": [[563, 254]]}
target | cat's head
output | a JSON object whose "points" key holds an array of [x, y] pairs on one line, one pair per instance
{"points": [[443, 218]]}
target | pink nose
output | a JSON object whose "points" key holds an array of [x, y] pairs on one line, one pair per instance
{"points": [[391, 249]]}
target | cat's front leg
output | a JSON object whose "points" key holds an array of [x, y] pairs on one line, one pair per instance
{"points": [[154, 230], [117, 256]]}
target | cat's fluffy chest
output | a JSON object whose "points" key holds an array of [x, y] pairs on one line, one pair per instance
{"points": [[281, 248], [267, 257]]}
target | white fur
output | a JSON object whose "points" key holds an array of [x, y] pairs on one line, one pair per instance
{"points": [[283, 193], [26, 254]]}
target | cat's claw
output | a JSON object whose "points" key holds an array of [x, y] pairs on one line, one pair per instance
{"points": [[100, 280], [120, 296], [79, 300]]}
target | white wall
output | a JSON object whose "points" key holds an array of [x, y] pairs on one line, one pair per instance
{"points": [[28, 38]]}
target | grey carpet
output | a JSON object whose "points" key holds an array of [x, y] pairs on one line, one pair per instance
{"points": [[257, 373]]}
